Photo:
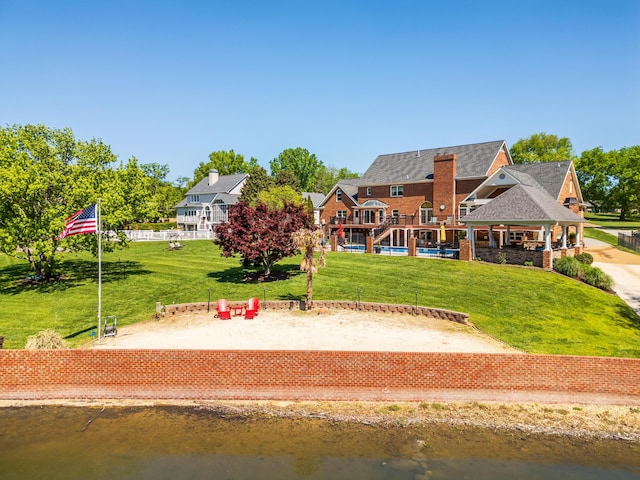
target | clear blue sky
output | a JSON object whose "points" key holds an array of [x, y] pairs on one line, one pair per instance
{"points": [[171, 81]]}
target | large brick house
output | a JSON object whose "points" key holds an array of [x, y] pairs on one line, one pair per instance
{"points": [[424, 193]]}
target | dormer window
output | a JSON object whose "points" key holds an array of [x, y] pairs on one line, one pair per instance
{"points": [[338, 195], [194, 198], [368, 191], [397, 190]]}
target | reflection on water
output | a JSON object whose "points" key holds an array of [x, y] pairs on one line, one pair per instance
{"points": [[193, 442]]}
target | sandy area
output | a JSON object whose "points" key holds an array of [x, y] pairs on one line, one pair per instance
{"points": [[295, 330]]}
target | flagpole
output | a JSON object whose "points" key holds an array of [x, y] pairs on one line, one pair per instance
{"points": [[99, 232]]}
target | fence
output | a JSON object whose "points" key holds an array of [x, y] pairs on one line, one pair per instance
{"points": [[166, 235], [632, 242]]}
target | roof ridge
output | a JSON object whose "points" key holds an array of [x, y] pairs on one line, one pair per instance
{"points": [[440, 148]]}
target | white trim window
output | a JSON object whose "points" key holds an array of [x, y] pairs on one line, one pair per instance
{"points": [[368, 191], [194, 198], [397, 190], [338, 195], [426, 213], [341, 214]]}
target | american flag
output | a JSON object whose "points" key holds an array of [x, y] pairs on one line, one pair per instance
{"points": [[83, 221]]}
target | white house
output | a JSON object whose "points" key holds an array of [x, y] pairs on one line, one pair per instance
{"points": [[207, 203]]}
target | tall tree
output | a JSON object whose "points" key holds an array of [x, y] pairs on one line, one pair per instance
{"points": [[611, 180], [542, 147], [327, 177], [308, 240], [303, 164], [226, 163], [276, 197], [258, 181], [164, 195], [45, 176], [261, 236]]}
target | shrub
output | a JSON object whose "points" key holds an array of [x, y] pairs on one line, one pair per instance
{"points": [[528, 263], [46, 339], [596, 277], [568, 266], [584, 258]]}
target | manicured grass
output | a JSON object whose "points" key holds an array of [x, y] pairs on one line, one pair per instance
{"points": [[534, 310], [611, 220]]}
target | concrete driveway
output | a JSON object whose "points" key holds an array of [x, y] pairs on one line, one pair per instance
{"points": [[622, 267]]}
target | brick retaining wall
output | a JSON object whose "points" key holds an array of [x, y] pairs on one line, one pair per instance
{"points": [[309, 375]]}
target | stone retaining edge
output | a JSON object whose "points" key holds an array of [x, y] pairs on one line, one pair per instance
{"points": [[437, 313]]}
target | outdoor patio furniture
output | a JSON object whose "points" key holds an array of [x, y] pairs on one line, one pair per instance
{"points": [[224, 312], [252, 307]]}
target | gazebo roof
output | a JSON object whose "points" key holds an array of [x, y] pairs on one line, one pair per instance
{"points": [[522, 205]]}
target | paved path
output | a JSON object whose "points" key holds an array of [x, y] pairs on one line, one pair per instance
{"points": [[624, 269]]}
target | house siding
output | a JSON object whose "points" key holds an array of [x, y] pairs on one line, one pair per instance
{"points": [[500, 161]]}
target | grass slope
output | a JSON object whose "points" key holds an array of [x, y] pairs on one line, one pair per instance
{"points": [[534, 310]]}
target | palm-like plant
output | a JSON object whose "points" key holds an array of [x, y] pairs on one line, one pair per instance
{"points": [[308, 240]]}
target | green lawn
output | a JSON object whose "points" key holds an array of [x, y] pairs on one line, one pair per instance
{"points": [[534, 310], [611, 220]]}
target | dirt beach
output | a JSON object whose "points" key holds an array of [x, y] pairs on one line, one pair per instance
{"points": [[296, 330]]}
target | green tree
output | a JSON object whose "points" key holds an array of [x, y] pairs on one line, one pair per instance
{"points": [[226, 163], [258, 181], [542, 147], [327, 177], [45, 176], [611, 180], [304, 165], [286, 178], [164, 195], [276, 197]]}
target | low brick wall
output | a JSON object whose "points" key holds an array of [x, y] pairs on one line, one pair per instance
{"points": [[450, 315], [310, 375]]}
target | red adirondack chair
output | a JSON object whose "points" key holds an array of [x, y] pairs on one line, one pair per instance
{"points": [[252, 308], [224, 312]]}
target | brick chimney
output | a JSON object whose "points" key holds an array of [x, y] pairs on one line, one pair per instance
{"points": [[213, 176], [444, 186]]}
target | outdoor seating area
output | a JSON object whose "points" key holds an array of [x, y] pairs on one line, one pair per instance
{"points": [[227, 310]]}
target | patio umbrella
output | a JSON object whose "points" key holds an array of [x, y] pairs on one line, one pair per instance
{"points": [[340, 232], [443, 234]]}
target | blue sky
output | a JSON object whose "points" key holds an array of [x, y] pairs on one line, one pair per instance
{"points": [[169, 81]]}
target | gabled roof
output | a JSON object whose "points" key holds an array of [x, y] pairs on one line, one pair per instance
{"points": [[225, 184], [348, 186], [226, 198], [550, 175], [316, 198], [522, 205], [474, 161]]}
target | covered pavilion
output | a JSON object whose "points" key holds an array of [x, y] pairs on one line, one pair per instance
{"points": [[522, 206]]}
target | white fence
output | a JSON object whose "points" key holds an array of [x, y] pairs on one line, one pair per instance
{"points": [[167, 235]]}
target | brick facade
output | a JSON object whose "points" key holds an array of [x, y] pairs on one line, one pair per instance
{"points": [[444, 185], [311, 375]]}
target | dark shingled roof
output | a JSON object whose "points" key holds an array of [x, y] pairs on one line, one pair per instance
{"points": [[550, 175], [225, 184], [522, 203], [473, 161]]}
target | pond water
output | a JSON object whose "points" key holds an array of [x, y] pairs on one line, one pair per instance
{"points": [[194, 442]]}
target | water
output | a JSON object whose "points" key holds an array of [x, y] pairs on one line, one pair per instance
{"points": [[423, 252], [193, 442]]}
